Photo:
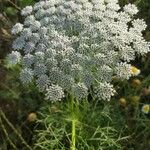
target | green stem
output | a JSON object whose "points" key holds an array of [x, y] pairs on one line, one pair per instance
{"points": [[73, 138], [73, 146]]}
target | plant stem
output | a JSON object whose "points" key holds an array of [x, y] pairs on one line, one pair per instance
{"points": [[15, 131], [73, 138], [17, 7], [73, 147], [7, 136]]}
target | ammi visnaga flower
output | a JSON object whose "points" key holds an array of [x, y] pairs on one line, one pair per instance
{"points": [[77, 46]]}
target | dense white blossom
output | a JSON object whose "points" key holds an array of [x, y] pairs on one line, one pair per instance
{"points": [[43, 82], [19, 43], [110, 1], [29, 20], [130, 9], [26, 34], [26, 11], [123, 70], [14, 57], [54, 93], [28, 60], [104, 91], [66, 82], [80, 91], [40, 69], [139, 25], [17, 28], [75, 46], [26, 75]]}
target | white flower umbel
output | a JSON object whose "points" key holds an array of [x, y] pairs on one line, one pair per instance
{"points": [[17, 28], [123, 70], [26, 11], [80, 91], [75, 46], [14, 57], [54, 93], [104, 91], [130, 9], [26, 75]]}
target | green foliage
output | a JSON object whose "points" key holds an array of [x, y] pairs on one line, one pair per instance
{"points": [[95, 129], [24, 3], [10, 11]]}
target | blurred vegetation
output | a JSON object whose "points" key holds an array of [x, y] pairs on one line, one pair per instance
{"points": [[28, 122]]}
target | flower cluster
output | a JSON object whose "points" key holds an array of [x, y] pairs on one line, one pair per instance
{"points": [[14, 57], [76, 46]]}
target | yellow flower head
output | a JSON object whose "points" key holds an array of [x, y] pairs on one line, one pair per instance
{"points": [[136, 83], [135, 100], [122, 102], [146, 109], [32, 117], [135, 71]]}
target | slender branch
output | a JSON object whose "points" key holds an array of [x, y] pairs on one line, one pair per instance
{"points": [[7, 136], [15, 131], [137, 2], [17, 7]]}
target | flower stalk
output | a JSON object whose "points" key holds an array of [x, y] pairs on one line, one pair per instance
{"points": [[73, 138], [73, 126]]}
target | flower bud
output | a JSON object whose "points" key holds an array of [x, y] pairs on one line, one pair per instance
{"points": [[135, 100], [122, 102], [136, 83], [32, 117]]}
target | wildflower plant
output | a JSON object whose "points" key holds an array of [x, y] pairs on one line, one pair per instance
{"points": [[73, 48], [77, 46]]}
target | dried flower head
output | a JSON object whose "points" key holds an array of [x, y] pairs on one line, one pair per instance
{"points": [[32, 117]]}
